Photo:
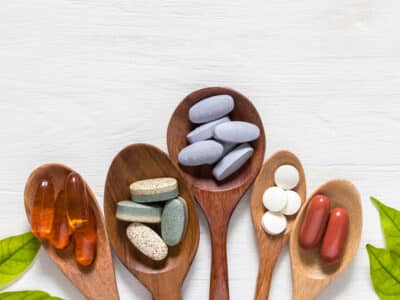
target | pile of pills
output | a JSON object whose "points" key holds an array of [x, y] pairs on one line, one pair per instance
{"points": [[326, 227], [154, 201], [217, 139], [281, 200]]}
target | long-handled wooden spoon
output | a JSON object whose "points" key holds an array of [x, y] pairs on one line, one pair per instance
{"points": [[96, 282], [163, 279], [310, 274], [217, 199], [269, 247]]}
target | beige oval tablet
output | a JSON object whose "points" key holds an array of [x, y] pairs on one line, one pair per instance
{"points": [[154, 190], [147, 241]]}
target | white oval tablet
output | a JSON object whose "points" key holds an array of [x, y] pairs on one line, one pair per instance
{"points": [[275, 199], [287, 177], [293, 203], [273, 223]]}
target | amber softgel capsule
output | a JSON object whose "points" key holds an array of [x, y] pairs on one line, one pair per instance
{"points": [[77, 200], [42, 212], [61, 231]]}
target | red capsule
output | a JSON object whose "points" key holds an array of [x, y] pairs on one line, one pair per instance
{"points": [[42, 212], [85, 238], [61, 231], [335, 236], [314, 223], [77, 200]]}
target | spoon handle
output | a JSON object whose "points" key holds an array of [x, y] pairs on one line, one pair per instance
{"points": [[265, 270], [170, 294], [219, 288]]}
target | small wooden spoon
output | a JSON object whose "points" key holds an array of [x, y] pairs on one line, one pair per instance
{"points": [[163, 279], [269, 246], [97, 281], [217, 199], [310, 275]]}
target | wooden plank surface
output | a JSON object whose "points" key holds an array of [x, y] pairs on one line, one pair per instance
{"points": [[82, 79]]}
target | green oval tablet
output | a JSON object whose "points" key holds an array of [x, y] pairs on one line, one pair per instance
{"points": [[174, 221]]}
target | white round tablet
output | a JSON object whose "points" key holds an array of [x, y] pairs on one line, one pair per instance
{"points": [[273, 223], [293, 203], [287, 177], [274, 199]]}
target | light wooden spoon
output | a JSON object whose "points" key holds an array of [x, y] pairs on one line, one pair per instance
{"points": [[269, 247], [163, 279], [310, 274], [97, 281], [217, 199]]}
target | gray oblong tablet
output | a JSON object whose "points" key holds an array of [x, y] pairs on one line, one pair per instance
{"points": [[233, 161], [174, 221], [201, 153], [236, 132], [205, 131], [228, 147], [211, 108], [135, 212]]}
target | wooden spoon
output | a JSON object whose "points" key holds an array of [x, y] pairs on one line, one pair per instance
{"points": [[217, 199], [163, 279], [310, 274], [97, 281], [269, 246]]}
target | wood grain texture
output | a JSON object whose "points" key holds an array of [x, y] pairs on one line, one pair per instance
{"points": [[82, 79], [311, 275], [270, 247], [164, 278], [217, 199], [96, 282]]}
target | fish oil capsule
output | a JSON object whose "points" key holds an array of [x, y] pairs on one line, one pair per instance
{"points": [[61, 231], [77, 200], [42, 212], [85, 238]]}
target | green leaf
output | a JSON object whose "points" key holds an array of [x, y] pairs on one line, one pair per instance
{"points": [[385, 272], [27, 295], [390, 220], [16, 255]]}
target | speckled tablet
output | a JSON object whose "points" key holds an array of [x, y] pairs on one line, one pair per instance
{"points": [[154, 190], [174, 221], [147, 241]]}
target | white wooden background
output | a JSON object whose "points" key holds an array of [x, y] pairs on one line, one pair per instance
{"points": [[80, 79]]}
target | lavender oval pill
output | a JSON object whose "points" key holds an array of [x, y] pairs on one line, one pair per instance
{"points": [[205, 131], [233, 161], [201, 153], [211, 108], [236, 132]]}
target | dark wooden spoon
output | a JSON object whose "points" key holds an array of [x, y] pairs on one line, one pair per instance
{"points": [[163, 279], [269, 247], [96, 282], [217, 199]]}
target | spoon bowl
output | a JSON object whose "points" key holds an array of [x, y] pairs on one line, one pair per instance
{"points": [[310, 274], [269, 246], [97, 281], [217, 199], [163, 279]]}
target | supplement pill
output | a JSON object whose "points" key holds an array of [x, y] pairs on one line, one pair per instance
{"points": [[77, 200], [273, 223], [211, 108], [274, 199], [287, 177], [314, 223]]}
